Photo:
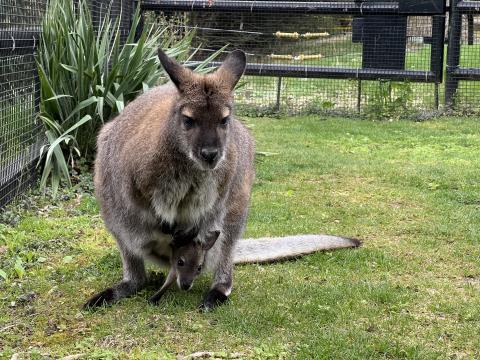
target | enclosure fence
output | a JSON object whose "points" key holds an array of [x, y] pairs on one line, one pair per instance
{"points": [[348, 57], [462, 89], [340, 56], [21, 133]]}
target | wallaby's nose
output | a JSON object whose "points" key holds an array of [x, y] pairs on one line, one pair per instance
{"points": [[209, 154]]}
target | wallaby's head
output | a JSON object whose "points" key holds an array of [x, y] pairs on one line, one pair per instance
{"points": [[188, 256], [204, 108]]}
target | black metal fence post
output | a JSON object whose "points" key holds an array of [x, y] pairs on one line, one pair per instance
{"points": [[453, 54], [471, 29], [437, 51]]}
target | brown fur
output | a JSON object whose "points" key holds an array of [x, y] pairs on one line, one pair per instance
{"points": [[154, 167]]}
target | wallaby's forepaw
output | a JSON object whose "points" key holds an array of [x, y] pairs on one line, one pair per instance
{"points": [[106, 297], [213, 298]]}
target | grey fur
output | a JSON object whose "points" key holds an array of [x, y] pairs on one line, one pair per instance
{"points": [[148, 172]]}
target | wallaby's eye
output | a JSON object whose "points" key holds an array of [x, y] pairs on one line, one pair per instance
{"points": [[188, 122], [225, 121], [180, 262], [199, 268]]}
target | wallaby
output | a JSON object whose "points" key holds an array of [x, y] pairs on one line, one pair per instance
{"points": [[176, 156], [188, 255]]}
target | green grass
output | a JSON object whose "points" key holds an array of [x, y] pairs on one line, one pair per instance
{"points": [[409, 190]]}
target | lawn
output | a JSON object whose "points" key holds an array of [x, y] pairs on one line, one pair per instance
{"points": [[410, 191]]}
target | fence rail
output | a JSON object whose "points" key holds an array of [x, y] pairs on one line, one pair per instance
{"points": [[311, 7]]}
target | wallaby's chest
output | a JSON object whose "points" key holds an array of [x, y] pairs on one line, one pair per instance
{"points": [[184, 199]]}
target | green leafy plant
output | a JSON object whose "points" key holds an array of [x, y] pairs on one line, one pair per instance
{"points": [[19, 268], [3, 275], [87, 76], [390, 101]]}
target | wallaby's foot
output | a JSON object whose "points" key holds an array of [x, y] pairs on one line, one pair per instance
{"points": [[213, 299], [112, 294], [106, 297]]}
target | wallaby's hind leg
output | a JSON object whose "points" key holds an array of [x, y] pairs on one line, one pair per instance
{"points": [[134, 279]]}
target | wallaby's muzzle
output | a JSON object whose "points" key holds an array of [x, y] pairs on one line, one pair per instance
{"points": [[209, 154]]}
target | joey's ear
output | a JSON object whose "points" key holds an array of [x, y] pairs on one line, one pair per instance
{"points": [[178, 74], [210, 239], [232, 68], [182, 238]]}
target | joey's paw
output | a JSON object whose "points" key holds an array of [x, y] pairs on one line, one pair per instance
{"points": [[155, 299], [106, 297], [213, 298]]}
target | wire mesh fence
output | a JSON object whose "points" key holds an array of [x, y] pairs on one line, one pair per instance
{"points": [[122, 9], [21, 134], [344, 57], [314, 56], [463, 60]]}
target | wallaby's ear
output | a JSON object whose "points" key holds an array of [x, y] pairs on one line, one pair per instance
{"points": [[232, 68], [178, 74], [210, 239]]}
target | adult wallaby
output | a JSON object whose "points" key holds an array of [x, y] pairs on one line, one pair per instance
{"points": [[176, 156], [188, 254]]}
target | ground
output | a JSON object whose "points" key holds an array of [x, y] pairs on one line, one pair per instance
{"points": [[409, 190]]}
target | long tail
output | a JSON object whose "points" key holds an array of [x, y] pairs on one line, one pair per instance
{"points": [[264, 250]]}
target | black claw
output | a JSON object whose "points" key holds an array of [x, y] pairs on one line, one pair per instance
{"points": [[213, 299], [155, 299], [106, 297]]}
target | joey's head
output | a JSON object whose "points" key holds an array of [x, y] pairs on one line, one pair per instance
{"points": [[188, 256], [203, 112]]}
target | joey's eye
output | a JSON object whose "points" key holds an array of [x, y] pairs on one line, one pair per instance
{"points": [[225, 120], [188, 122], [180, 262], [199, 268]]}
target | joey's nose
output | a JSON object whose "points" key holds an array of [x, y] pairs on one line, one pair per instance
{"points": [[186, 286], [209, 154]]}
